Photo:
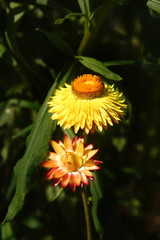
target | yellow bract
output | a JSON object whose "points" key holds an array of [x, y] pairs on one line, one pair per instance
{"points": [[72, 108]]}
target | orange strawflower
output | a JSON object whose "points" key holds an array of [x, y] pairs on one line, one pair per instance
{"points": [[72, 163]]}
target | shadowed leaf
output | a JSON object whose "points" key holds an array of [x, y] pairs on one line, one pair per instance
{"points": [[68, 16], [57, 41]]}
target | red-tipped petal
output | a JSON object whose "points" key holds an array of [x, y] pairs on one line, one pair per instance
{"points": [[88, 148], [75, 178], [73, 187], [49, 174], [90, 165], [75, 139], [65, 180], [91, 178], [59, 172], [97, 162], [56, 181], [84, 179], [92, 168], [92, 153], [87, 172]]}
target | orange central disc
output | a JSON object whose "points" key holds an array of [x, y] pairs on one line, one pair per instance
{"points": [[87, 86]]}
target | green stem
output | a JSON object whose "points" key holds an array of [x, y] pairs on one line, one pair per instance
{"points": [[87, 215], [97, 20]]}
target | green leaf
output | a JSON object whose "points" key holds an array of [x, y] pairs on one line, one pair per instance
{"points": [[22, 132], [98, 67], [68, 16], [57, 41], [15, 14], [85, 7], [37, 147], [69, 132], [42, 2], [2, 50], [7, 232], [53, 193], [154, 5], [119, 143], [96, 196]]}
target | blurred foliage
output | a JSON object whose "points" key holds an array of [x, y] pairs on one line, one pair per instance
{"points": [[44, 43]]}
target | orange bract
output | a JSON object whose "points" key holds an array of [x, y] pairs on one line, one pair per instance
{"points": [[87, 86], [71, 163]]}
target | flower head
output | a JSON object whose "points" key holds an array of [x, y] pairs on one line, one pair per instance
{"points": [[71, 163], [88, 104]]}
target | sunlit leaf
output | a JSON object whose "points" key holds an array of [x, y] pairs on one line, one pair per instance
{"points": [[57, 41], [85, 7], [7, 232], [98, 67], [19, 11], [53, 193], [37, 148], [42, 2], [154, 5], [2, 50]]}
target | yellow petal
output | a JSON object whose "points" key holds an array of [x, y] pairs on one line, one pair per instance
{"points": [[92, 153], [67, 143], [79, 148], [57, 148], [50, 163]]}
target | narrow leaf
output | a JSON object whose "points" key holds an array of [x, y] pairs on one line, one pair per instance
{"points": [[58, 42], [14, 16], [7, 232], [42, 2], [98, 67], [154, 5], [37, 148], [22, 132], [85, 7]]}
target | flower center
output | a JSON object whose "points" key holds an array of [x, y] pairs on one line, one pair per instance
{"points": [[87, 86], [71, 161]]}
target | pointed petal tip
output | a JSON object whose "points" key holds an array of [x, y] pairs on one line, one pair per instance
{"points": [[73, 187], [56, 181]]}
